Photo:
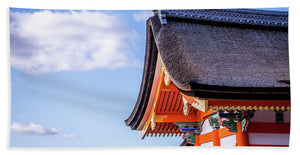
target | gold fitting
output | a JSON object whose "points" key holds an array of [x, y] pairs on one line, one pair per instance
{"points": [[232, 108], [216, 108], [244, 108], [249, 107], [255, 108], [221, 107], [227, 108], [266, 108]]}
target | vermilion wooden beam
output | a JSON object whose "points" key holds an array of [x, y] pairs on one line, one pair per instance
{"points": [[204, 138], [171, 87], [176, 118], [269, 127], [209, 136]]}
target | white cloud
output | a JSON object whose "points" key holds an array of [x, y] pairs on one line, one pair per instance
{"points": [[142, 16], [35, 129], [49, 41], [31, 129]]}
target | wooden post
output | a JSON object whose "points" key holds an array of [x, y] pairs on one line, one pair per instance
{"points": [[241, 137], [197, 141], [216, 139]]}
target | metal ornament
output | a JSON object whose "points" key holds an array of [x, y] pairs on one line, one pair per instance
{"points": [[200, 104], [186, 107], [167, 79], [152, 125]]}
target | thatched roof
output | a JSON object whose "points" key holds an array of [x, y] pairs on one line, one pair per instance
{"points": [[220, 54], [223, 52]]}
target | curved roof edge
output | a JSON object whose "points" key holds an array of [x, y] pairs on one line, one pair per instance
{"points": [[149, 69]]}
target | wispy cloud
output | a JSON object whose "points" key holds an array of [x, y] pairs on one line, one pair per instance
{"points": [[69, 136], [31, 129], [37, 130], [48, 41], [142, 16]]}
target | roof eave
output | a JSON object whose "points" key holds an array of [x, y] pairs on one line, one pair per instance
{"points": [[149, 69], [241, 93]]}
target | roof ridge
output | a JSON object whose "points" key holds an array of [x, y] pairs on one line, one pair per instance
{"points": [[236, 16]]}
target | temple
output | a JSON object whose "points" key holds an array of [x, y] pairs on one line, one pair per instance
{"points": [[216, 77]]}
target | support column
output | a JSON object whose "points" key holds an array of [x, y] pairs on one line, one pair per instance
{"points": [[215, 124], [241, 137], [216, 139], [197, 141]]}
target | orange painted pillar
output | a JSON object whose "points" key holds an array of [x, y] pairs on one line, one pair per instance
{"points": [[241, 137], [215, 137], [197, 141]]}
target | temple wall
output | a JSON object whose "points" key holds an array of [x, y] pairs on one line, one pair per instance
{"points": [[264, 116], [287, 116], [269, 117], [206, 128], [268, 139], [228, 141], [207, 144]]}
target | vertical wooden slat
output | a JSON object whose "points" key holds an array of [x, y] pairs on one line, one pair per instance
{"points": [[165, 102], [170, 100], [173, 101]]}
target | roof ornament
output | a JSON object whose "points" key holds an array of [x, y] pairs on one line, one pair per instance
{"points": [[162, 16]]}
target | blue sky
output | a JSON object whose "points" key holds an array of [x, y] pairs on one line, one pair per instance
{"points": [[75, 78]]}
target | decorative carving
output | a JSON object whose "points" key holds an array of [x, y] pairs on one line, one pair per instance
{"points": [[186, 107], [190, 126], [214, 121], [230, 124], [200, 104], [189, 137], [236, 115], [245, 122], [250, 108], [191, 130], [233, 117]]}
